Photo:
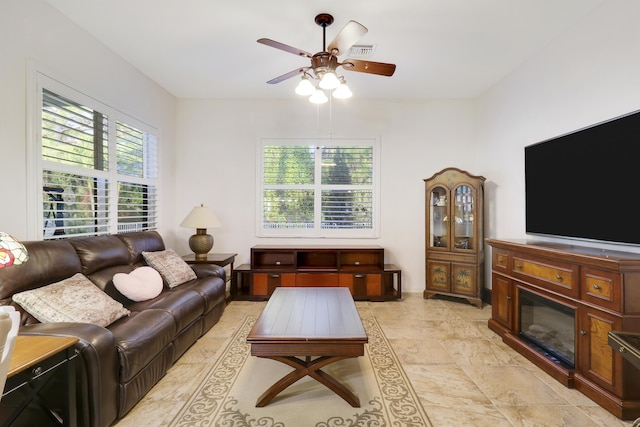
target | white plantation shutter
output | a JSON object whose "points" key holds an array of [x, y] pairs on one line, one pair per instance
{"points": [[137, 198], [99, 171], [318, 188]]}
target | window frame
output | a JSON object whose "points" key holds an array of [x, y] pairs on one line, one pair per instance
{"points": [[36, 165], [318, 231]]}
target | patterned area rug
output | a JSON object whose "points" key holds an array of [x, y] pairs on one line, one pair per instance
{"points": [[228, 392]]}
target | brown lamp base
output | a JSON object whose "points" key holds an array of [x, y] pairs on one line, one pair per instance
{"points": [[201, 243]]}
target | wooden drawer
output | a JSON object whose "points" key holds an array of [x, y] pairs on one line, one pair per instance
{"points": [[272, 259], [362, 285], [263, 284], [601, 288], [500, 260], [551, 275], [316, 279]]}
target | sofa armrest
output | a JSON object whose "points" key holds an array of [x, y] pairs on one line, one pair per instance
{"points": [[97, 387], [204, 270]]}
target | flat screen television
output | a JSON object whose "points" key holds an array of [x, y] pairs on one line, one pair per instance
{"points": [[586, 184]]}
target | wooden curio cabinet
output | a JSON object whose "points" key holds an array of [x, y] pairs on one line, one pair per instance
{"points": [[454, 235]]}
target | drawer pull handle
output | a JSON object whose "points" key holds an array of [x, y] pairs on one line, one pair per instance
{"points": [[357, 263], [275, 276], [518, 265], [37, 371], [622, 349], [558, 277], [508, 298], [597, 287], [583, 333], [359, 276], [277, 262]]}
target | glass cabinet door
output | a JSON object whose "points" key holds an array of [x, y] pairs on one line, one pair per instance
{"points": [[439, 214], [464, 223]]}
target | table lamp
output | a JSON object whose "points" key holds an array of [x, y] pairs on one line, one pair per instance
{"points": [[201, 218], [12, 252]]}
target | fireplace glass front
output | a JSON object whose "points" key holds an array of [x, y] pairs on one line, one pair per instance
{"points": [[549, 327]]}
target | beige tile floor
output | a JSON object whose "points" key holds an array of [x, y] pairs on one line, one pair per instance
{"points": [[462, 372]]}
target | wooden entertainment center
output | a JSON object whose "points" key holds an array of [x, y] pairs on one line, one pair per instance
{"points": [[599, 288], [359, 268]]}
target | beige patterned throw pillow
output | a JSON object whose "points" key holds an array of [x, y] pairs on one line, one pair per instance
{"points": [[75, 299], [171, 267]]}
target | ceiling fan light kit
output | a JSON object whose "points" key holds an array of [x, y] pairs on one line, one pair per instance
{"points": [[324, 64]]}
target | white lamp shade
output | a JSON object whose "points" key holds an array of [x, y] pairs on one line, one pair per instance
{"points": [[305, 87], [329, 80], [318, 97], [201, 217], [342, 92]]}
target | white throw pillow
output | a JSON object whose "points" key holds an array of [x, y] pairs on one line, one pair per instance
{"points": [[142, 284], [75, 299], [173, 269]]}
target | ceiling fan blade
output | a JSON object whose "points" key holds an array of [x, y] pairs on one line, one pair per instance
{"points": [[370, 67], [288, 75], [285, 47], [351, 33]]}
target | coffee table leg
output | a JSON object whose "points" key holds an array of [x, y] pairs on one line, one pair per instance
{"points": [[311, 368]]}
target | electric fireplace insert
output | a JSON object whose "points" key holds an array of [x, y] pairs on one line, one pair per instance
{"points": [[549, 327]]}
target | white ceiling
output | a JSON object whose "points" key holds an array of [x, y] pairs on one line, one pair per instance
{"points": [[208, 49]]}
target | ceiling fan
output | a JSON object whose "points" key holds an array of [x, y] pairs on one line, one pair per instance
{"points": [[324, 64]]}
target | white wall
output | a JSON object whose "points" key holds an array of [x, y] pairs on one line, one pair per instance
{"points": [[31, 32], [587, 75], [590, 74], [217, 151]]}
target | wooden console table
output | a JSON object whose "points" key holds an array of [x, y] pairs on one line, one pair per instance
{"points": [[600, 289], [359, 268], [28, 397]]}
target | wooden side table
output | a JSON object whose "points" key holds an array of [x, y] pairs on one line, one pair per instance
{"points": [[221, 260], [35, 362]]}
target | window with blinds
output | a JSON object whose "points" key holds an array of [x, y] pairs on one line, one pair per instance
{"points": [[99, 171], [319, 188]]}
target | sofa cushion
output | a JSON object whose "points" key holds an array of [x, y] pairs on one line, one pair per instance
{"points": [[173, 269], [49, 262], [75, 299], [98, 253], [141, 241], [211, 289], [140, 338], [143, 283], [185, 305]]}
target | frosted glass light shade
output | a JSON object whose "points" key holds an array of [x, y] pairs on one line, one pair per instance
{"points": [[329, 81], [318, 97], [305, 87], [342, 91]]}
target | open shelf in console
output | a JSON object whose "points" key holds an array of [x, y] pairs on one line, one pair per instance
{"points": [[362, 260], [317, 259]]}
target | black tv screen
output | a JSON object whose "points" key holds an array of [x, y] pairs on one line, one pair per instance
{"points": [[586, 184]]}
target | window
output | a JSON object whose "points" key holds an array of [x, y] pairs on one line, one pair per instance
{"points": [[98, 167], [318, 188]]}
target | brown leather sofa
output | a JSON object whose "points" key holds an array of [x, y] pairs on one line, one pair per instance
{"points": [[118, 364]]}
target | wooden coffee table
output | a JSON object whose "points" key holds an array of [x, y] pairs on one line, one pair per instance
{"points": [[307, 329]]}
